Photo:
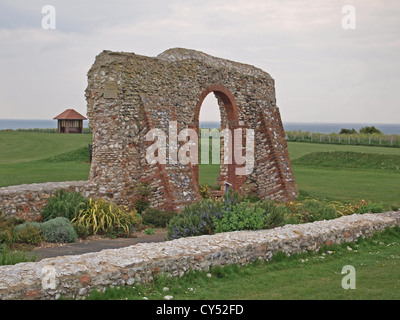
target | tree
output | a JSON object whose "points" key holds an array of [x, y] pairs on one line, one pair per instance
{"points": [[370, 130], [347, 131]]}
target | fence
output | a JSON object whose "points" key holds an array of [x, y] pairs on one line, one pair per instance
{"points": [[46, 130], [381, 140]]}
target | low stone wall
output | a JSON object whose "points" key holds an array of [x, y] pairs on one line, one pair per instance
{"points": [[76, 276], [26, 201]]}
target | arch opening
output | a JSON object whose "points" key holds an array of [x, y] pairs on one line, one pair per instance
{"points": [[210, 146], [217, 175]]}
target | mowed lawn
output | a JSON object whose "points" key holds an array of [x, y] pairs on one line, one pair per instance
{"points": [[335, 181], [29, 157]]}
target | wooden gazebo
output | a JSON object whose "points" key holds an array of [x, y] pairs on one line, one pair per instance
{"points": [[70, 121]]}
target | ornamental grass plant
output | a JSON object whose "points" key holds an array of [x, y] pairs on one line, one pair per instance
{"points": [[101, 216]]}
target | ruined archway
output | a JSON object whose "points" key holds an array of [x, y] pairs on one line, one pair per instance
{"points": [[129, 95], [229, 121]]}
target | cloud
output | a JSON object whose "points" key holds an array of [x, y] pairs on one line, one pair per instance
{"points": [[321, 71]]}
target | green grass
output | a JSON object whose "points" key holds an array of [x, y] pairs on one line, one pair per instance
{"points": [[208, 173], [9, 257], [299, 149], [350, 160], [347, 185], [28, 157], [348, 175], [312, 276], [17, 147]]}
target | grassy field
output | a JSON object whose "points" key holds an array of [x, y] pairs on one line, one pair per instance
{"points": [[347, 173], [27, 157]]}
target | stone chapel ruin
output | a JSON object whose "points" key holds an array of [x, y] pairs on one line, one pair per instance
{"points": [[130, 94]]}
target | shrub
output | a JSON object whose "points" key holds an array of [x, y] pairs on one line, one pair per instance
{"points": [[240, 217], [370, 130], [103, 216], [143, 193], [59, 230], [81, 231], [310, 210], [204, 191], [371, 208], [63, 204], [347, 131], [361, 206], [196, 219], [6, 237], [157, 218], [29, 232], [275, 215], [316, 210], [149, 231]]}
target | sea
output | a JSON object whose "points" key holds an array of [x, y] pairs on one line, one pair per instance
{"points": [[14, 124], [323, 127]]}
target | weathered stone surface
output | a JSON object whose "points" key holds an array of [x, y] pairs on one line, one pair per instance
{"points": [[76, 276], [129, 94], [26, 201]]}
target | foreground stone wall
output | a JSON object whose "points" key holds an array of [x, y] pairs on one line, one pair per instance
{"points": [[27, 200], [76, 276]]}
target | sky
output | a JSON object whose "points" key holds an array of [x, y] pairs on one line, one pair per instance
{"points": [[323, 71]]}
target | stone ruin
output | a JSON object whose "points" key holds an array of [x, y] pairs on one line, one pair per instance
{"points": [[128, 95]]}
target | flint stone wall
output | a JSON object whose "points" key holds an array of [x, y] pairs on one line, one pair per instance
{"points": [[129, 94], [76, 276], [27, 200]]}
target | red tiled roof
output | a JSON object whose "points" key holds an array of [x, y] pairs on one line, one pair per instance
{"points": [[70, 114]]}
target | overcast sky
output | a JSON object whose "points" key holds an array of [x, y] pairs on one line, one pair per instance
{"points": [[322, 72]]}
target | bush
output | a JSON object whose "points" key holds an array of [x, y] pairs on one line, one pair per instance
{"points": [[370, 130], [157, 218], [310, 210], [143, 194], [371, 208], [240, 217], [63, 204], [275, 215], [6, 237], [204, 191], [103, 216], [81, 231], [59, 230], [29, 233], [196, 219]]}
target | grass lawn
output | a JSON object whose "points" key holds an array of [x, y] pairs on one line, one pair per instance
{"points": [[298, 149], [348, 185], [17, 147], [28, 157]]}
